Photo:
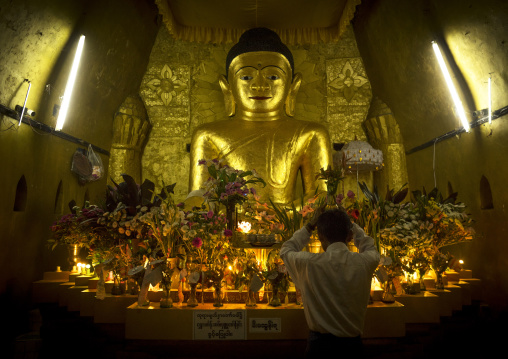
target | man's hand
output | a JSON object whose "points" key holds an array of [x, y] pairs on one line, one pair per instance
{"points": [[311, 225]]}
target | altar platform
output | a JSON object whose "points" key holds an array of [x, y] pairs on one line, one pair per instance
{"points": [[77, 293], [389, 328]]}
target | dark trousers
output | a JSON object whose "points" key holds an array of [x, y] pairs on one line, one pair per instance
{"points": [[321, 346]]}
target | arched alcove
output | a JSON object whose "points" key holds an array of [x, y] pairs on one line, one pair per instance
{"points": [[449, 189], [86, 197], [485, 194], [59, 199], [21, 195]]}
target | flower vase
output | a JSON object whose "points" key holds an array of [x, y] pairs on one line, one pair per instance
{"points": [[439, 280], [166, 301], [72, 251], [134, 287], [299, 299], [230, 216], [422, 283], [251, 298], [143, 294], [117, 288], [331, 203], [217, 294], [275, 301], [388, 292], [101, 289], [192, 301]]}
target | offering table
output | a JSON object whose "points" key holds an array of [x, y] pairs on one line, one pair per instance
{"points": [[262, 322]]}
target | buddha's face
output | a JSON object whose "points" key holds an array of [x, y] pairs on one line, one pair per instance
{"points": [[260, 82]]}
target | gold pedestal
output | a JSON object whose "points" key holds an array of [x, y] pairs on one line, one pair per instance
{"points": [[46, 291], [475, 287], [420, 308], [384, 320], [63, 293], [87, 302], [466, 291], [112, 308], [73, 297], [456, 296], [445, 301]]}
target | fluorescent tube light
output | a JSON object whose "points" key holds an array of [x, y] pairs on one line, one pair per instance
{"points": [[451, 87], [490, 100], [70, 85]]}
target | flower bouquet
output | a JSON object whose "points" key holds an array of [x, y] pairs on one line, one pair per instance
{"points": [[229, 186]]}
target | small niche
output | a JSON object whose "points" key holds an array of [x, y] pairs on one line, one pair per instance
{"points": [[450, 189], [59, 199], [485, 194], [21, 195], [86, 197]]}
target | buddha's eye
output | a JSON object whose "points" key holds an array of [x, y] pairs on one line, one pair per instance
{"points": [[273, 77], [245, 77]]}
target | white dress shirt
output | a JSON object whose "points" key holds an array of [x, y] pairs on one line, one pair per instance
{"points": [[335, 285]]}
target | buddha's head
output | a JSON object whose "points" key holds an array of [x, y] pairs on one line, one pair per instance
{"points": [[260, 83]]}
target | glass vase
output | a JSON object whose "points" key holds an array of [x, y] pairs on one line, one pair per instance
{"points": [[231, 216], [388, 292], [422, 283], [143, 294], [166, 301], [117, 287], [275, 300], [439, 280], [193, 300], [299, 299], [331, 203], [217, 295], [251, 298], [72, 253], [101, 289]]}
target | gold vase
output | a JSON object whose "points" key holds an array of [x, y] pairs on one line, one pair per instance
{"points": [[166, 301]]}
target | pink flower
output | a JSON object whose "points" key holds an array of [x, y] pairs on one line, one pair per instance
{"points": [[228, 232], [209, 214], [197, 242], [339, 198], [350, 194]]}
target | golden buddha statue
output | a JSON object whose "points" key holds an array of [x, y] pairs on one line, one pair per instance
{"points": [[260, 92]]}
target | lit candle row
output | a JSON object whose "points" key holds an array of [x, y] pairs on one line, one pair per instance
{"points": [[83, 268]]}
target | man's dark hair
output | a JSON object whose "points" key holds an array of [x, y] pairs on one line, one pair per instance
{"points": [[259, 39], [335, 225]]}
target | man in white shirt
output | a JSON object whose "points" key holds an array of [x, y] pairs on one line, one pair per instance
{"points": [[335, 285]]}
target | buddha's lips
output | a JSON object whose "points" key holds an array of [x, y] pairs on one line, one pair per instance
{"points": [[259, 98]]}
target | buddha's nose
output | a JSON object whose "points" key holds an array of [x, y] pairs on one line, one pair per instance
{"points": [[260, 86]]}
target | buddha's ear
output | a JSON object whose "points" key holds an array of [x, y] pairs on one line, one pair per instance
{"points": [[293, 91], [228, 96]]}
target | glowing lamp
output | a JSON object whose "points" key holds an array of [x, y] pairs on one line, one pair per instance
{"points": [[70, 85], [451, 87], [244, 227]]}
